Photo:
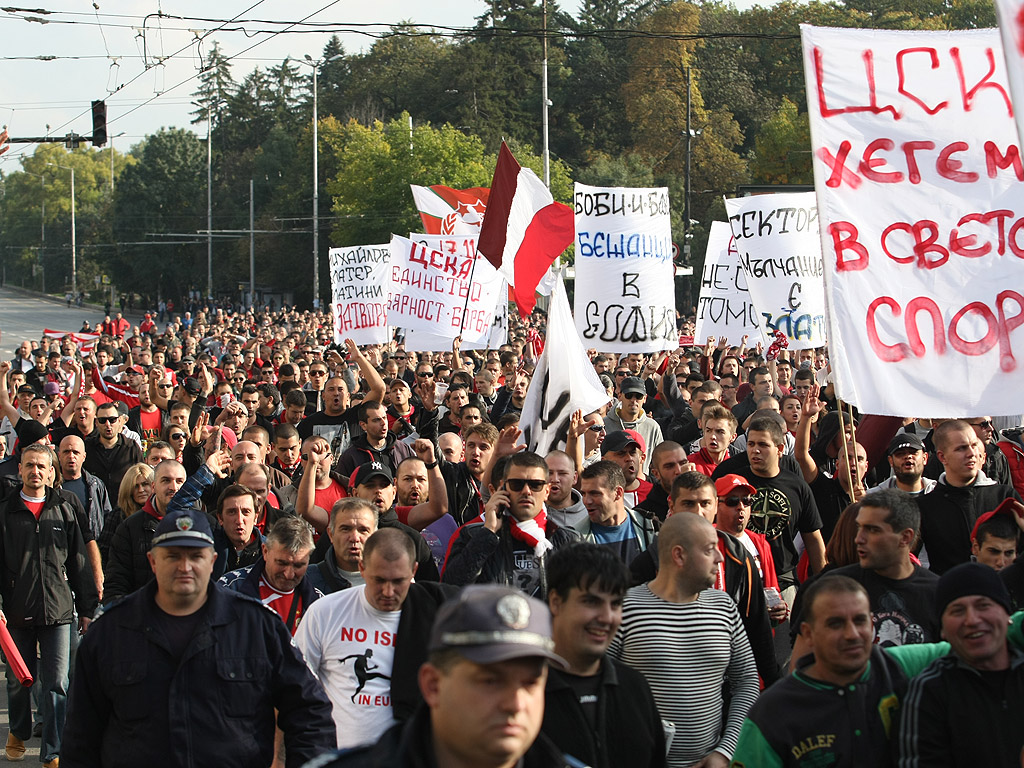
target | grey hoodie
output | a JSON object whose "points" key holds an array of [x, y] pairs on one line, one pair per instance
{"points": [[571, 516]]}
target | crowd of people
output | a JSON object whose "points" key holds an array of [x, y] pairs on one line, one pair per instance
{"points": [[230, 541]]}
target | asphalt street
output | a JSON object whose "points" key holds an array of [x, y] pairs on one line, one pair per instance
{"points": [[24, 316]]}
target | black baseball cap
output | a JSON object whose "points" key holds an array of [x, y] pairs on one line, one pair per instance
{"points": [[905, 440], [631, 385], [364, 473]]}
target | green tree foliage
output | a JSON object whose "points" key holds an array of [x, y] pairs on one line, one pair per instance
{"points": [[163, 193], [782, 149], [375, 166]]}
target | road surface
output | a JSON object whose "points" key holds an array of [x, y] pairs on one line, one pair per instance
{"points": [[24, 316]]}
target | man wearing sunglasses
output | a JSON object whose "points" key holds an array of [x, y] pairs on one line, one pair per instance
{"points": [[510, 544], [108, 452], [630, 415]]}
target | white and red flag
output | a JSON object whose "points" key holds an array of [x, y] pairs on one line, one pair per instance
{"points": [[524, 229], [447, 211]]}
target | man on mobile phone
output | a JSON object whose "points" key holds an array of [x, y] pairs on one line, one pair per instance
{"points": [[510, 545]]}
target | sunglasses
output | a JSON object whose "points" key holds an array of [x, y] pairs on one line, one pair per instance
{"points": [[633, 396], [401, 357], [598, 428], [735, 501], [516, 484], [984, 424], [165, 386], [318, 373], [107, 419], [178, 436], [622, 373], [425, 375]]}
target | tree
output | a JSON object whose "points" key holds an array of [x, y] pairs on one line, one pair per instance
{"points": [[375, 167], [163, 193], [782, 148], [215, 86]]}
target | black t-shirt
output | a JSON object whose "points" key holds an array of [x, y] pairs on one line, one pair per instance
{"points": [[586, 689], [831, 500], [179, 630], [783, 507], [902, 610], [337, 430]]}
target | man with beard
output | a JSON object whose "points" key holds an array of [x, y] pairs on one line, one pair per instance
{"points": [[376, 443], [906, 456], [668, 461]]}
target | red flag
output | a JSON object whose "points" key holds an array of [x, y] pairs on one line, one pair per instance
{"points": [[13, 656], [447, 211], [524, 229]]}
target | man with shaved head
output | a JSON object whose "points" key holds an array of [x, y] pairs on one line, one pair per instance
{"points": [[91, 491], [686, 670]]}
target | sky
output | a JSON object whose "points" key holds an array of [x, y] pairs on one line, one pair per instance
{"points": [[103, 47]]}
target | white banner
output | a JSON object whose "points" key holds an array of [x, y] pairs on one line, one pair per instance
{"points": [[360, 283], [564, 381], [625, 281], [780, 251], [918, 173], [725, 307], [431, 291], [425, 341]]}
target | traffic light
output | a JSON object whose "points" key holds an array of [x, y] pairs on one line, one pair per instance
{"points": [[99, 123]]}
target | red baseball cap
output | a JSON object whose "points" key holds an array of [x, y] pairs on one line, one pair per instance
{"points": [[727, 483]]}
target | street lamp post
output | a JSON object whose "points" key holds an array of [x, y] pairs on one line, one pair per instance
{"points": [[315, 65], [74, 252]]}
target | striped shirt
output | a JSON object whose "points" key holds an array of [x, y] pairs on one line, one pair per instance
{"points": [[687, 651]]}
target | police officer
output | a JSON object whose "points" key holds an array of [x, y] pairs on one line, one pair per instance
{"points": [[185, 672]]}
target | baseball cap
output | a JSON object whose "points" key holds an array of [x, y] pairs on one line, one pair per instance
{"points": [[187, 528], [727, 483], [621, 440], [970, 579], [904, 440], [364, 473], [188, 359], [51, 388], [1004, 508], [26, 389], [487, 623], [136, 369], [191, 386], [631, 385], [399, 382]]}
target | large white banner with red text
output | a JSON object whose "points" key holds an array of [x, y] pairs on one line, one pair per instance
{"points": [[1011, 29], [920, 189], [464, 246], [431, 291]]}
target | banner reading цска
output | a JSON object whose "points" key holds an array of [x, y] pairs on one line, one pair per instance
{"points": [[919, 178]]}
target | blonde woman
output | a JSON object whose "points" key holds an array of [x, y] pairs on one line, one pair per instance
{"points": [[136, 488]]}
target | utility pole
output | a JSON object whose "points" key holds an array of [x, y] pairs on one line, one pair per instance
{"points": [[209, 200], [545, 103], [252, 250]]}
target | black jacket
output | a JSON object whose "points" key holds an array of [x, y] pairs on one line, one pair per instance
{"points": [[127, 567], [360, 452], [411, 745], [948, 515], [110, 464], [246, 581], [132, 703], [42, 561], [481, 556], [744, 585], [627, 730]]}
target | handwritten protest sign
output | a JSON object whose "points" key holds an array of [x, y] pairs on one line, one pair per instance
{"points": [[427, 341], [779, 248], [918, 174], [360, 283], [431, 291], [725, 307], [625, 283]]}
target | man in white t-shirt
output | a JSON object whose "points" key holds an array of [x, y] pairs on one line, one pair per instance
{"points": [[365, 644]]}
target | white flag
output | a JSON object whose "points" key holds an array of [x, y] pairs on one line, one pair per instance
{"points": [[556, 390]]}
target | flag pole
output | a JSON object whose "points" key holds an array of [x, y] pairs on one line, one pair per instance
{"points": [[465, 306]]}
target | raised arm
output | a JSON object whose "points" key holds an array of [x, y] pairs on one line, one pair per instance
{"points": [[305, 500], [5, 400], [436, 505], [373, 380], [808, 415]]}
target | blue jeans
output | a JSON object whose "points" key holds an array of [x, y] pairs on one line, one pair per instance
{"points": [[51, 670]]}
